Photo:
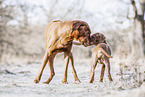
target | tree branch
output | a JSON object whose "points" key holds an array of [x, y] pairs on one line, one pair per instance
{"points": [[130, 18], [134, 8]]}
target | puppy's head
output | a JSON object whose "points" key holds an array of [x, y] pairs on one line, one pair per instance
{"points": [[82, 34], [97, 38]]}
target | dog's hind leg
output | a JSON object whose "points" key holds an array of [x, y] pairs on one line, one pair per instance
{"points": [[66, 61], [107, 63], [45, 59], [50, 64], [102, 73]]}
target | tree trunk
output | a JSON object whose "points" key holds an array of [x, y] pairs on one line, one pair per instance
{"points": [[141, 12], [138, 31]]}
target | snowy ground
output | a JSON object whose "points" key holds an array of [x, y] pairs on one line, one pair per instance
{"points": [[16, 80]]}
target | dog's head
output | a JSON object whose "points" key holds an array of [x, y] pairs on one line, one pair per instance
{"points": [[97, 38], [81, 32]]}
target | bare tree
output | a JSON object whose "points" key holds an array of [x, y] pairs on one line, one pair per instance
{"points": [[5, 17], [49, 13], [138, 40], [138, 30]]}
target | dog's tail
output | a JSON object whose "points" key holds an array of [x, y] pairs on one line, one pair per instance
{"points": [[104, 52]]}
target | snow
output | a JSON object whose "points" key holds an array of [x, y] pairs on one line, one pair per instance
{"points": [[17, 80]]}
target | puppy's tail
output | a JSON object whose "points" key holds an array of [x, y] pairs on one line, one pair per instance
{"points": [[104, 52]]}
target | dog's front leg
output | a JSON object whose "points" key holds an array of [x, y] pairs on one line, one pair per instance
{"points": [[66, 61], [93, 66], [45, 59], [92, 72], [73, 68]]}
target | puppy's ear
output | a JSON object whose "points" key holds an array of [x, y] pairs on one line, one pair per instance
{"points": [[103, 38], [75, 34]]}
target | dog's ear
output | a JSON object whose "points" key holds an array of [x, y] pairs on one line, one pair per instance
{"points": [[76, 25], [75, 34]]}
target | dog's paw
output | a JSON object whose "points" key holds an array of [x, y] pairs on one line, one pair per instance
{"points": [[101, 81], [64, 81], [111, 81], [46, 82], [36, 81], [77, 81], [90, 81]]}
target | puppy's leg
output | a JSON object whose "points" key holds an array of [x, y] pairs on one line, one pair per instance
{"points": [[66, 61], [45, 59], [107, 63], [73, 68], [93, 66], [52, 73], [102, 73]]}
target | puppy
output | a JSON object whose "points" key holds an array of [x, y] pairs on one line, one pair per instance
{"points": [[100, 54]]}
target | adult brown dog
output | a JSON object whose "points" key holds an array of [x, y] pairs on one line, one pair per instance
{"points": [[59, 36], [100, 54]]}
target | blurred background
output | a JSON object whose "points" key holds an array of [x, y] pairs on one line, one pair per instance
{"points": [[22, 47], [22, 24]]}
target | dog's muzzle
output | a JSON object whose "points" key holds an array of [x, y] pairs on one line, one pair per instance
{"points": [[86, 42]]}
